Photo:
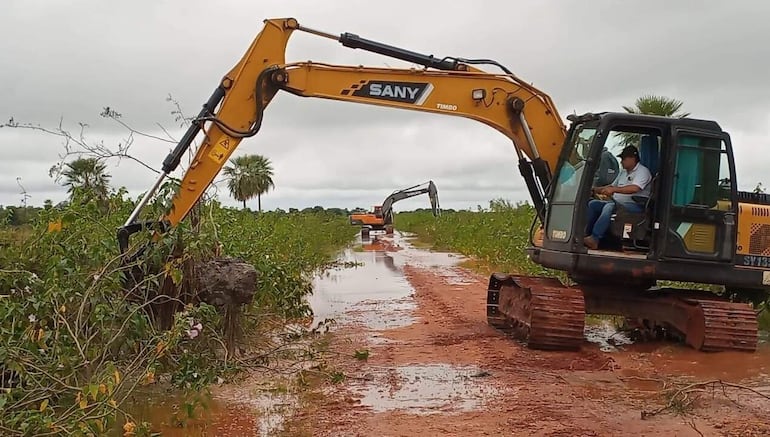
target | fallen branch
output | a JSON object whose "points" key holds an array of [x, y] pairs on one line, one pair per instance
{"points": [[682, 395], [692, 425]]}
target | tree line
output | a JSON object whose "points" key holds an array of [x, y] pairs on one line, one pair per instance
{"points": [[250, 176]]}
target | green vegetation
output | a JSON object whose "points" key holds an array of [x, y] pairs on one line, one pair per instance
{"points": [[76, 344], [652, 105], [87, 179], [284, 248]]}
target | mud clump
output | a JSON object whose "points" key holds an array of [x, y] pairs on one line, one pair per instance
{"points": [[226, 282]]}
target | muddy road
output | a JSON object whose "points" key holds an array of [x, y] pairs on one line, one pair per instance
{"points": [[419, 359], [411, 354]]}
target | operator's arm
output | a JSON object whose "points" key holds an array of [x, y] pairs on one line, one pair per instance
{"points": [[628, 189], [604, 189]]}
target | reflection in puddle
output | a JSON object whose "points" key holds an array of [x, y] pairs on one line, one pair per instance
{"points": [[426, 389], [171, 415], [442, 263], [233, 412], [375, 293], [338, 291], [382, 315], [270, 409]]}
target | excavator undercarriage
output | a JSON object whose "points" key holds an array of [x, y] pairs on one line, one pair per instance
{"points": [[547, 314]]}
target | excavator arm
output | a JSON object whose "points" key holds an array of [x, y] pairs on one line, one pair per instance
{"points": [[448, 86], [387, 204]]}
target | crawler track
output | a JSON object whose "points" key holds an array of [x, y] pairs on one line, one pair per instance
{"points": [[539, 311], [719, 326], [545, 314]]}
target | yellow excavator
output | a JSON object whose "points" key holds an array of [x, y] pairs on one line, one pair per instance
{"points": [[694, 227], [381, 216]]}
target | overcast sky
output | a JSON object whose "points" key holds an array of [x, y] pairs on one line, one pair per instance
{"points": [[67, 60]]}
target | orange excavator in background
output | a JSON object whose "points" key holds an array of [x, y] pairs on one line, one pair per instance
{"points": [[381, 217], [696, 226]]}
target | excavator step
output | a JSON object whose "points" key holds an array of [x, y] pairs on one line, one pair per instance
{"points": [[542, 312]]}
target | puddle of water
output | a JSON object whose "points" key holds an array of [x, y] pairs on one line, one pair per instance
{"points": [[676, 359], [443, 263], [379, 315], [606, 336], [427, 389], [261, 414], [375, 292], [367, 293], [729, 366]]}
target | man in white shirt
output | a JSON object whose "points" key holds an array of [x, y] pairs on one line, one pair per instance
{"points": [[633, 180]]}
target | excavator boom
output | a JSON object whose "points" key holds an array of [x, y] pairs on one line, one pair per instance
{"points": [[501, 101]]}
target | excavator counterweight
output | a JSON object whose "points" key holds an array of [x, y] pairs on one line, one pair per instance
{"points": [[692, 224]]}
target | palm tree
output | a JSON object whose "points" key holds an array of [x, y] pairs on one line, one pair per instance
{"points": [[652, 105], [264, 172], [249, 176], [657, 105], [86, 177]]}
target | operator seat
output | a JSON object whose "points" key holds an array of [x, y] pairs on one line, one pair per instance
{"points": [[633, 228]]}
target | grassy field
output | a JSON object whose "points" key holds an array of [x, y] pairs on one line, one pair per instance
{"points": [[74, 346]]}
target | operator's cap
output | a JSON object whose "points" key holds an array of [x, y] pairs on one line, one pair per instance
{"points": [[629, 151]]}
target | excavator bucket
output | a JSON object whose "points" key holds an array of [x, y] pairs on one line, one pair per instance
{"points": [[433, 195]]}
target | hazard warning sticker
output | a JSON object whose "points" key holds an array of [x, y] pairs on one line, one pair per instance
{"points": [[218, 154]]}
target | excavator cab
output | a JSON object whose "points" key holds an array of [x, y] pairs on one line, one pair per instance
{"points": [[690, 212], [691, 228]]}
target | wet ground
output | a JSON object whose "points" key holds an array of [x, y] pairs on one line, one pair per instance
{"points": [[434, 367], [418, 357]]}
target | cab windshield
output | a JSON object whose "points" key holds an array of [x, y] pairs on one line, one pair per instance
{"points": [[572, 169], [567, 184]]}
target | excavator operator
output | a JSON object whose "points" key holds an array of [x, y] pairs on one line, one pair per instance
{"points": [[633, 180]]}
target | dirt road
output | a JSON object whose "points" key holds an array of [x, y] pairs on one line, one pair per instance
{"points": [[420, 360]]}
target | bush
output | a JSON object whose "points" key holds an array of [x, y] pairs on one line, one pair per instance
{"points": [[74, 345]]}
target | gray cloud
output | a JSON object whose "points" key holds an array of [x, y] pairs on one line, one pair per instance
{"points": [[70, 60]]}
